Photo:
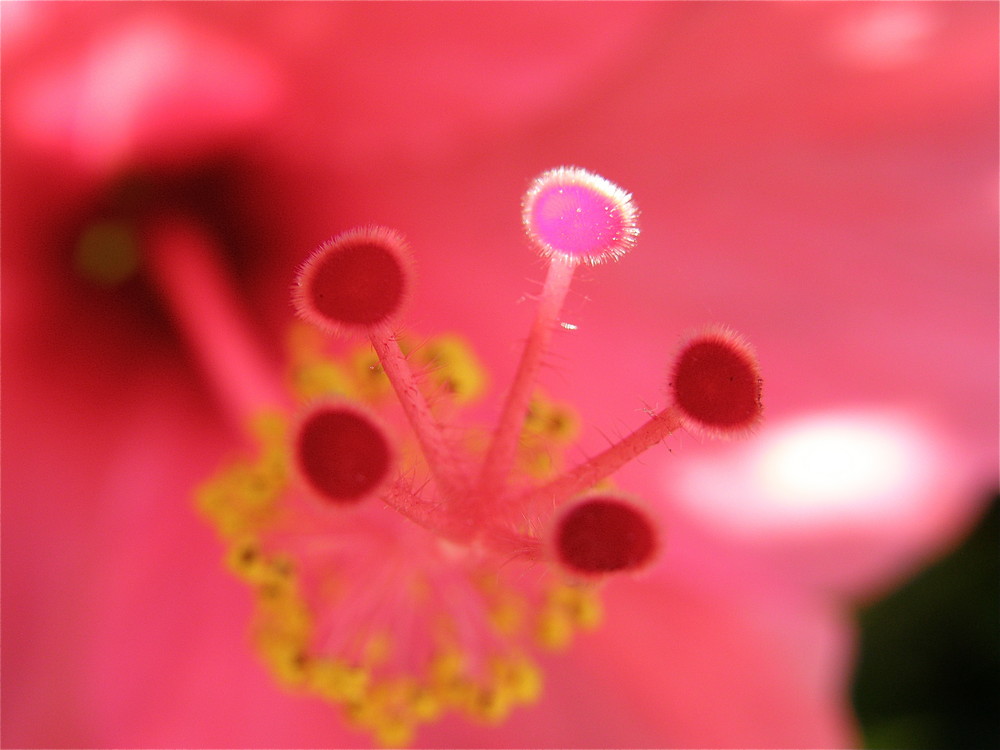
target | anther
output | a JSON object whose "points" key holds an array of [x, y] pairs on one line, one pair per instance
{"points": [[601, 534], [715, 383], [343, 455]]}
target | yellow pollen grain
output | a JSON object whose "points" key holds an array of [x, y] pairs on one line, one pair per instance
{"points": [[370, 382], [446, 667], [387, 710], [320, 379], [566, 610], [584, 608], [453, 368], [312, 373], [426, 705], [555, 421], [507, 616], [554, 630], [548, 427], [490, 705], [336, 681], [377, 650], [524, 680], [285, 655], [240, 500], [243, 558], [537, 463], [393, 732]]}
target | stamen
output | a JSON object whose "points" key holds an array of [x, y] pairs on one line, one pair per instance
{"points": [[183, 261], [342, 453], [603, 534]]}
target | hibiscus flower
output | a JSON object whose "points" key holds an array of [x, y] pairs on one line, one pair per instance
{"points": [[821, 177]]}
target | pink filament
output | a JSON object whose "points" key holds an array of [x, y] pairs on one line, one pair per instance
{"points": [[602, 465], [439, 455], [503, 449]]}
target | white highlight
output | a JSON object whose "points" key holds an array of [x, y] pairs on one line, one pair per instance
{"points": [[836, 462], [832, 469], [886, 35]]}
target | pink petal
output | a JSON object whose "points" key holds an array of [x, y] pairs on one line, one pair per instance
{"points": [[151, 90]]}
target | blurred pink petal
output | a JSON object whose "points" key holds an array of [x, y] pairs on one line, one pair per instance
{"points": [[822, 177], [849, 500], [185, 92]]}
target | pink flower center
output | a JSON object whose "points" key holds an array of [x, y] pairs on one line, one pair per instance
{"points": [[400, 616]]}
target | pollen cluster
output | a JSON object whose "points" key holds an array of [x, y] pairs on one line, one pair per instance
{"points": [[405, 561], [396, 631]]}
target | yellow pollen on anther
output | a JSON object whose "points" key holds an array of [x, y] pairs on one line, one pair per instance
{"points": [[337, 681], [581, 604], [452, 367], [548, 428], [282, 631], [370, 382], [554, 630], [566, 610], [241, 499], [524, 680], [307, 580], [555, 420], [313, 375], [507, 616]]}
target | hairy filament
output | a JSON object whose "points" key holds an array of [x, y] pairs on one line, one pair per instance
{"points": [[439, 455], [503, 448], [604, 464]]}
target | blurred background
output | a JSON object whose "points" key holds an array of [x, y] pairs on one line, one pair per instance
{"points": [[821, 176]]}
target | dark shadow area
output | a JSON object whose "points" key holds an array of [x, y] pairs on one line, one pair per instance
{"points": [[928, 674]]}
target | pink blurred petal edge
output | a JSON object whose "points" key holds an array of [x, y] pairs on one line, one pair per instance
{"points": [[839, 210]]}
